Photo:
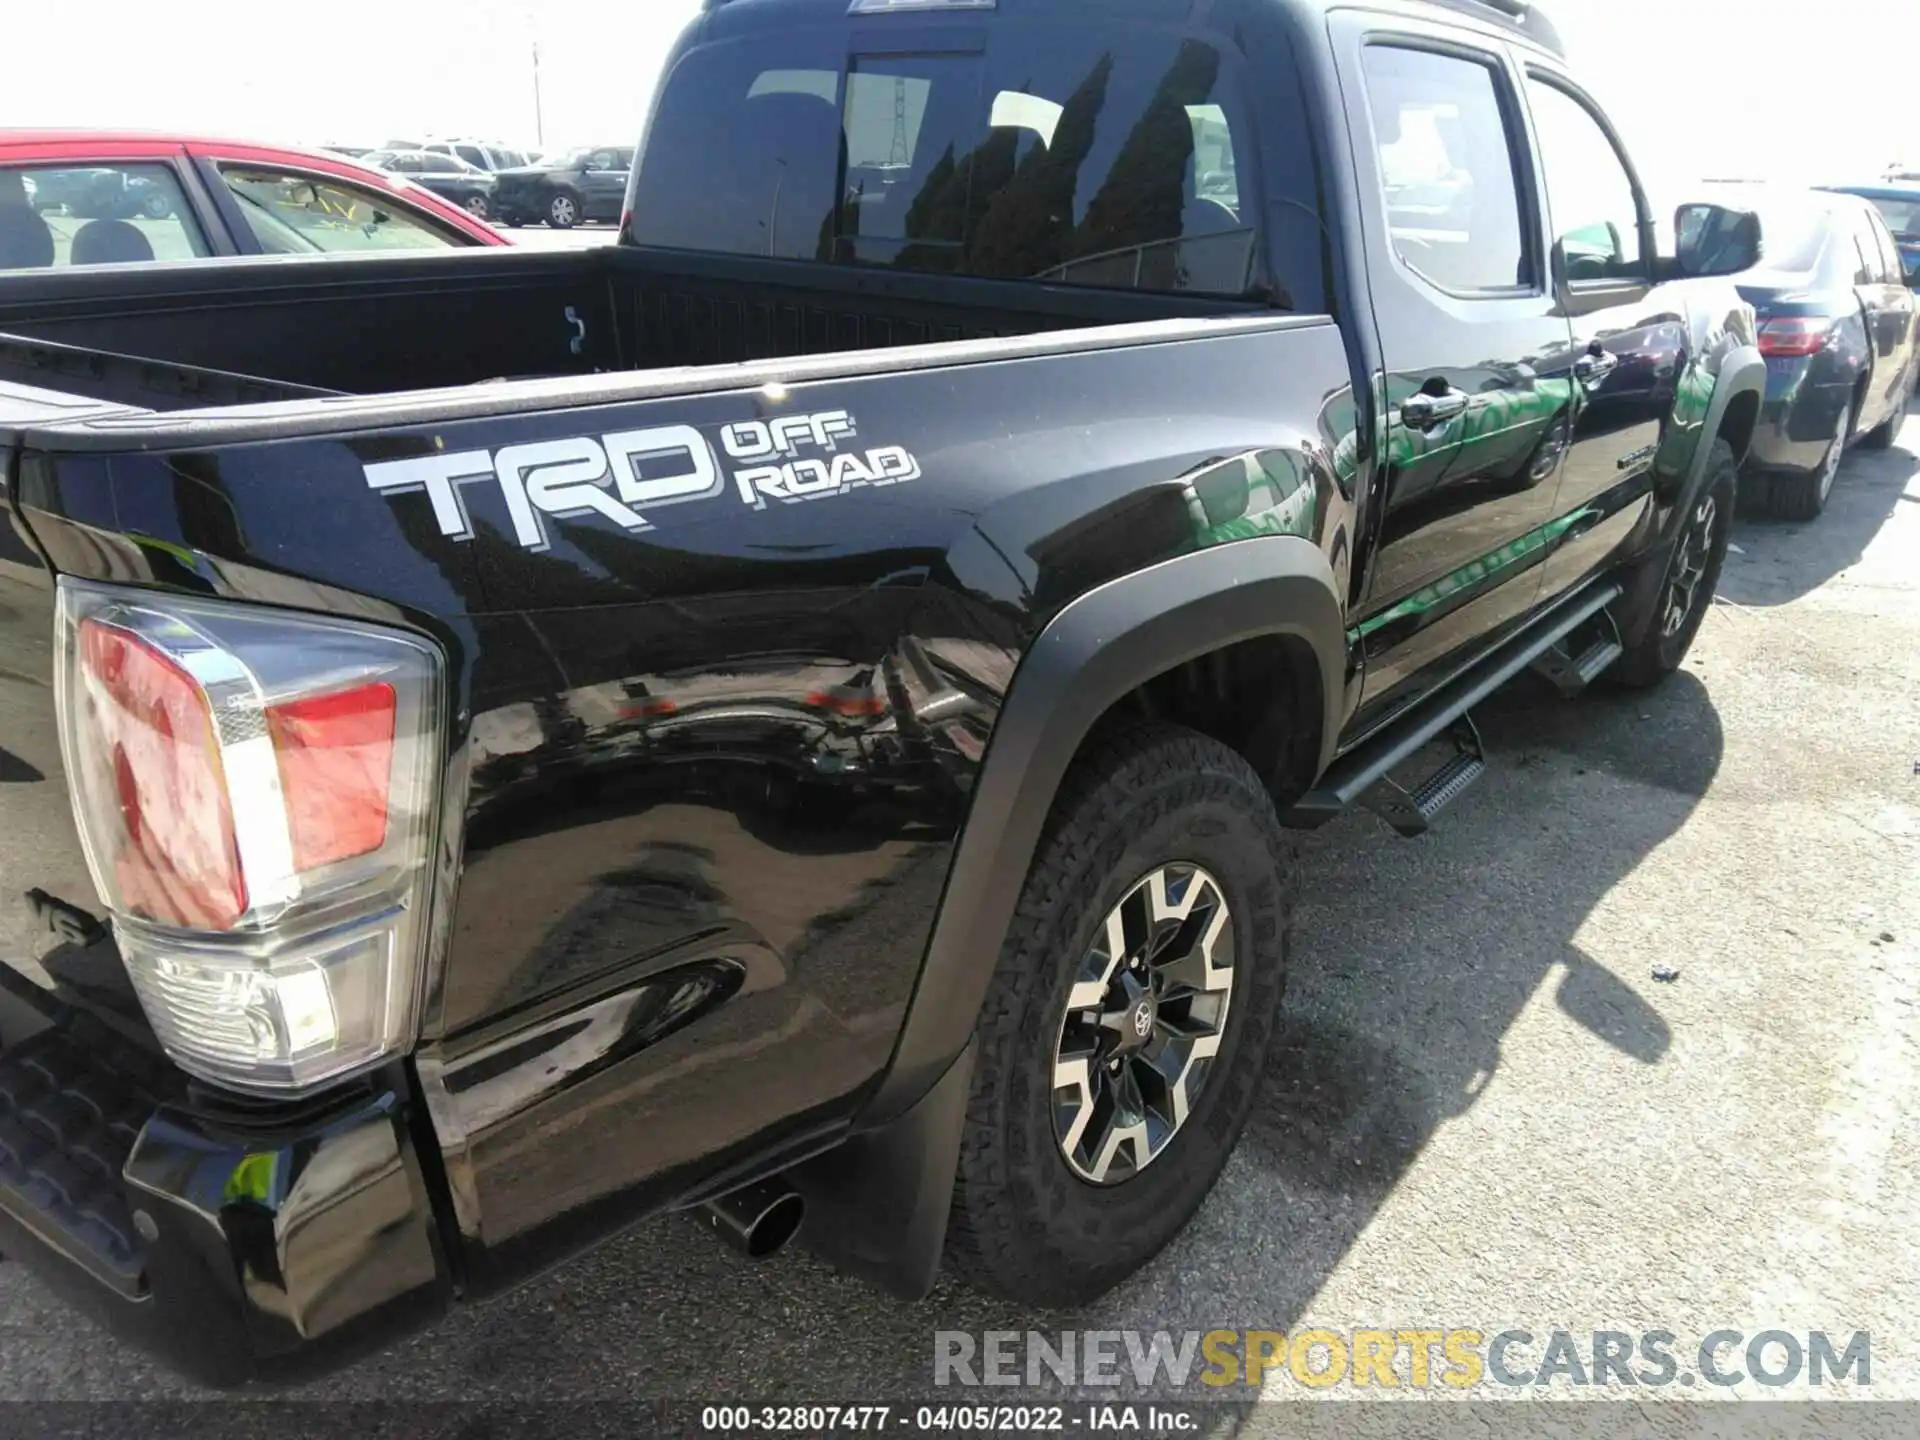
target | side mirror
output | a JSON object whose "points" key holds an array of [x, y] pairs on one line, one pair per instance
{"points": [[1714, 240]]}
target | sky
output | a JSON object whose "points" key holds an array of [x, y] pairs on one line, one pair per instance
{"points": [[1698, 87]]}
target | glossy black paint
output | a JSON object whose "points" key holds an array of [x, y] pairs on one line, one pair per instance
{"points": [[740, 798], [715, 771], [240, 1244]]}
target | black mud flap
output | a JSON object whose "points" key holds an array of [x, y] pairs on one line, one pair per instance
{"points": [[877, 1205]]}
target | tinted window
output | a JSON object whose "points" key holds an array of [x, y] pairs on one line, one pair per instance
{"points": [[1902, 216], [94, 215], [1891, 270], [472, 154], [299, 215], [1060, 154], [1589, 193], [1865, 248], [1446, 165]]}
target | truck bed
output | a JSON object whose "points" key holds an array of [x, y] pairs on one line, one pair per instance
{"points": [[169, 337]]}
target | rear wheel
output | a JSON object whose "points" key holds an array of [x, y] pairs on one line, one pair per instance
{"points": [[476, 206], [1881, 436], [1688, 580], [563, 211], [1128, 1022], [1802, 495]]}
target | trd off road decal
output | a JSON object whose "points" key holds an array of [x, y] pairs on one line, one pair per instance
{"points": [[780, 469], [622, 475]]}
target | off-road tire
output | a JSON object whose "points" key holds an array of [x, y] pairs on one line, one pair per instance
{"points": [[1024, 1226], [1654, 653]]}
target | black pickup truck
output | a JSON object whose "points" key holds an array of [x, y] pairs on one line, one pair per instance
{"points": [[794, 713]]}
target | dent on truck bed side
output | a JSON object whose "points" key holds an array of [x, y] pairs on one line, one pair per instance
{"points": [[720, 763]]}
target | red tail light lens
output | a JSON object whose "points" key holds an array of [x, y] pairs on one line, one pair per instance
{"points": [[336, 762], [1798, 335], [174, 859], [257, 793]]}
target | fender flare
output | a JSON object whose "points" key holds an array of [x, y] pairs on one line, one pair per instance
{"points": [[1742, 372], [1096, 650]]}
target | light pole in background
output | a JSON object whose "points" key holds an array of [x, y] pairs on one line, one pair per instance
{"points": [[539, 120]]}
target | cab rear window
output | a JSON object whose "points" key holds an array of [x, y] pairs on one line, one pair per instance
{"points": [[1066, 155]]}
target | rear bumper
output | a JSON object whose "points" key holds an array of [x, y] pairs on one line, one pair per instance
{"points": [[234, 1253], [1797, 419]]}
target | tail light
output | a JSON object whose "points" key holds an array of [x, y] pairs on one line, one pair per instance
{"points": [[256, 792], [1797, 335]]}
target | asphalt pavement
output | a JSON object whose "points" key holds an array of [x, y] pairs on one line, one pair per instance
{"points": [[1628, 1043]]}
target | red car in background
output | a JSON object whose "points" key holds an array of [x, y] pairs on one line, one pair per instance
{"points": [[90, 197]]}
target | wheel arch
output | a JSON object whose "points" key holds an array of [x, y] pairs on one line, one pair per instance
{"points": [[1270, 598], [1732, 415]]}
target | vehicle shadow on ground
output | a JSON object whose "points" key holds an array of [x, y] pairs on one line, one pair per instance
{"points": [[1779, 561], [1412, 960]]}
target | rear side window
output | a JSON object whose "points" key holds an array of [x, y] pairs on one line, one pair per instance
{"points": [[1891, 272], [1902, 215], [1094, 156], [1444, 141], [59, 215]]}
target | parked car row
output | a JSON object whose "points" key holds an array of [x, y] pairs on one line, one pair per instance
{"points": [[564, 189], [1834, 298], [447, 176]]}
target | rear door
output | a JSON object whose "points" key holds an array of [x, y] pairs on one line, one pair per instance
{"points": [[1890, 308], [1476, 352], [1631, 338]]}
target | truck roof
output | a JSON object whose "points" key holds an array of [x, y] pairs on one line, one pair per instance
{"points": [[1522, 18]]}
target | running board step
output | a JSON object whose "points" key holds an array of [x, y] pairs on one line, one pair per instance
{"points": [[1411, 812], [1365, 765], [1571, 671]]}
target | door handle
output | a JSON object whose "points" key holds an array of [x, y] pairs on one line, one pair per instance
{"points": [[1595, 365], [1423, 410]]}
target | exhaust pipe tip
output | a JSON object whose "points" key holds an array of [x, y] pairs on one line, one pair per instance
{"points": [[757, 1220]]}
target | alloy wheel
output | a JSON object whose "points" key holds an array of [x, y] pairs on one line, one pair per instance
{"points": [[476, 206], [1690, 561], [1830, 466], [563, 210], [1144, 1020]]}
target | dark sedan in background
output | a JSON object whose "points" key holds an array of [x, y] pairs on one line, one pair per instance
{"points": [[566, 189], [1837, 327], [1899, 206], [447, 176]]}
